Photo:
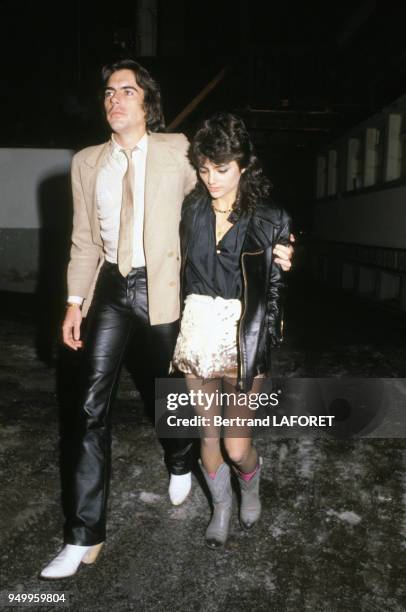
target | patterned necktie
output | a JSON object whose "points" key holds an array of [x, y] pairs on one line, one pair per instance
{"points": [[125, 238]]}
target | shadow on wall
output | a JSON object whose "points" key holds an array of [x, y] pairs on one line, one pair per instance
{"points": [[55, 214]]}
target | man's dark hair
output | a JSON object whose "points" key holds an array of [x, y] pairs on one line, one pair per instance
{"points": [[152, 93]]}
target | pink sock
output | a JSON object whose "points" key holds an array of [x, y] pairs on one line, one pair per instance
{"points": [[248, 475], [212, 475]]}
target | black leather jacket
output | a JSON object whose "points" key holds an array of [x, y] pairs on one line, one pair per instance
{"points": [[260, 325]]}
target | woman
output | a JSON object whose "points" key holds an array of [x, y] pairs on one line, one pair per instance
{"points": [[233, 289]]}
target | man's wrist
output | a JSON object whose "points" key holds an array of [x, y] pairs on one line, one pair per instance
{"points": [[73, 305], [74, 299]]}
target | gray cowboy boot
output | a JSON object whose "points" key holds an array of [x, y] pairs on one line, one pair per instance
{"points": [[221, 495], [250, 509]]}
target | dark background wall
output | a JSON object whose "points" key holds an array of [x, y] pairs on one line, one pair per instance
{"points": [[300, 73]]}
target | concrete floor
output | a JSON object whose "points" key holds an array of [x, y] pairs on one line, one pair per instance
{"points": [[333, 533]]}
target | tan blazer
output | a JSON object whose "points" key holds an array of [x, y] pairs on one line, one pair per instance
{"points": [[168, 178]]}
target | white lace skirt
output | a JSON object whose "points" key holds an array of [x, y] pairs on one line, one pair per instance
{"points": [[207, 342]]}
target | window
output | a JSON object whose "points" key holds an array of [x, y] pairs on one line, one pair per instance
{"points": [[403, 141], [355, 177], [394, 148], [332, 172], [372, 156]]}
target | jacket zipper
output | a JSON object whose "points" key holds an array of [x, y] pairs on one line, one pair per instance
{"points": [[182, 281], [274, 241]]}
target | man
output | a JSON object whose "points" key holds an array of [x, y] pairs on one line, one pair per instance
{"points": [[127, 200]]}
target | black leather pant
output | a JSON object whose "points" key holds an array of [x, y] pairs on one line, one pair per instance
{"points": [[119, 314]]}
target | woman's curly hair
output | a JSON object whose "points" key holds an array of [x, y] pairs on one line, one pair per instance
{"points": [[222, 138]]}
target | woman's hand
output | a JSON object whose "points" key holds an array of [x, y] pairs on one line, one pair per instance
{"points": [[283, 254]]}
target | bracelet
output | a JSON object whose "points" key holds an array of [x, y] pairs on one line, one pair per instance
{"points": [[74, 305]]}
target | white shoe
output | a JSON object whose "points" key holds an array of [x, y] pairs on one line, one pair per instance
{"points": [[179, 487], [66, 563]]}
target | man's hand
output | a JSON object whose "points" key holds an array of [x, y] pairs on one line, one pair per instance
{"points": [[71, 328], [283, 254]]}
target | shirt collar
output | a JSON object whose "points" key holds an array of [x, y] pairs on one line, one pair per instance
{"points": [[116, 149]]}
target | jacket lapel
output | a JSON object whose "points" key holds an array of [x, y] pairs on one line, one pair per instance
{"points": [[258, 237]]}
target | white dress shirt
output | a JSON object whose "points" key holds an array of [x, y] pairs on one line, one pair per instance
{"points": [[109, 184]]}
